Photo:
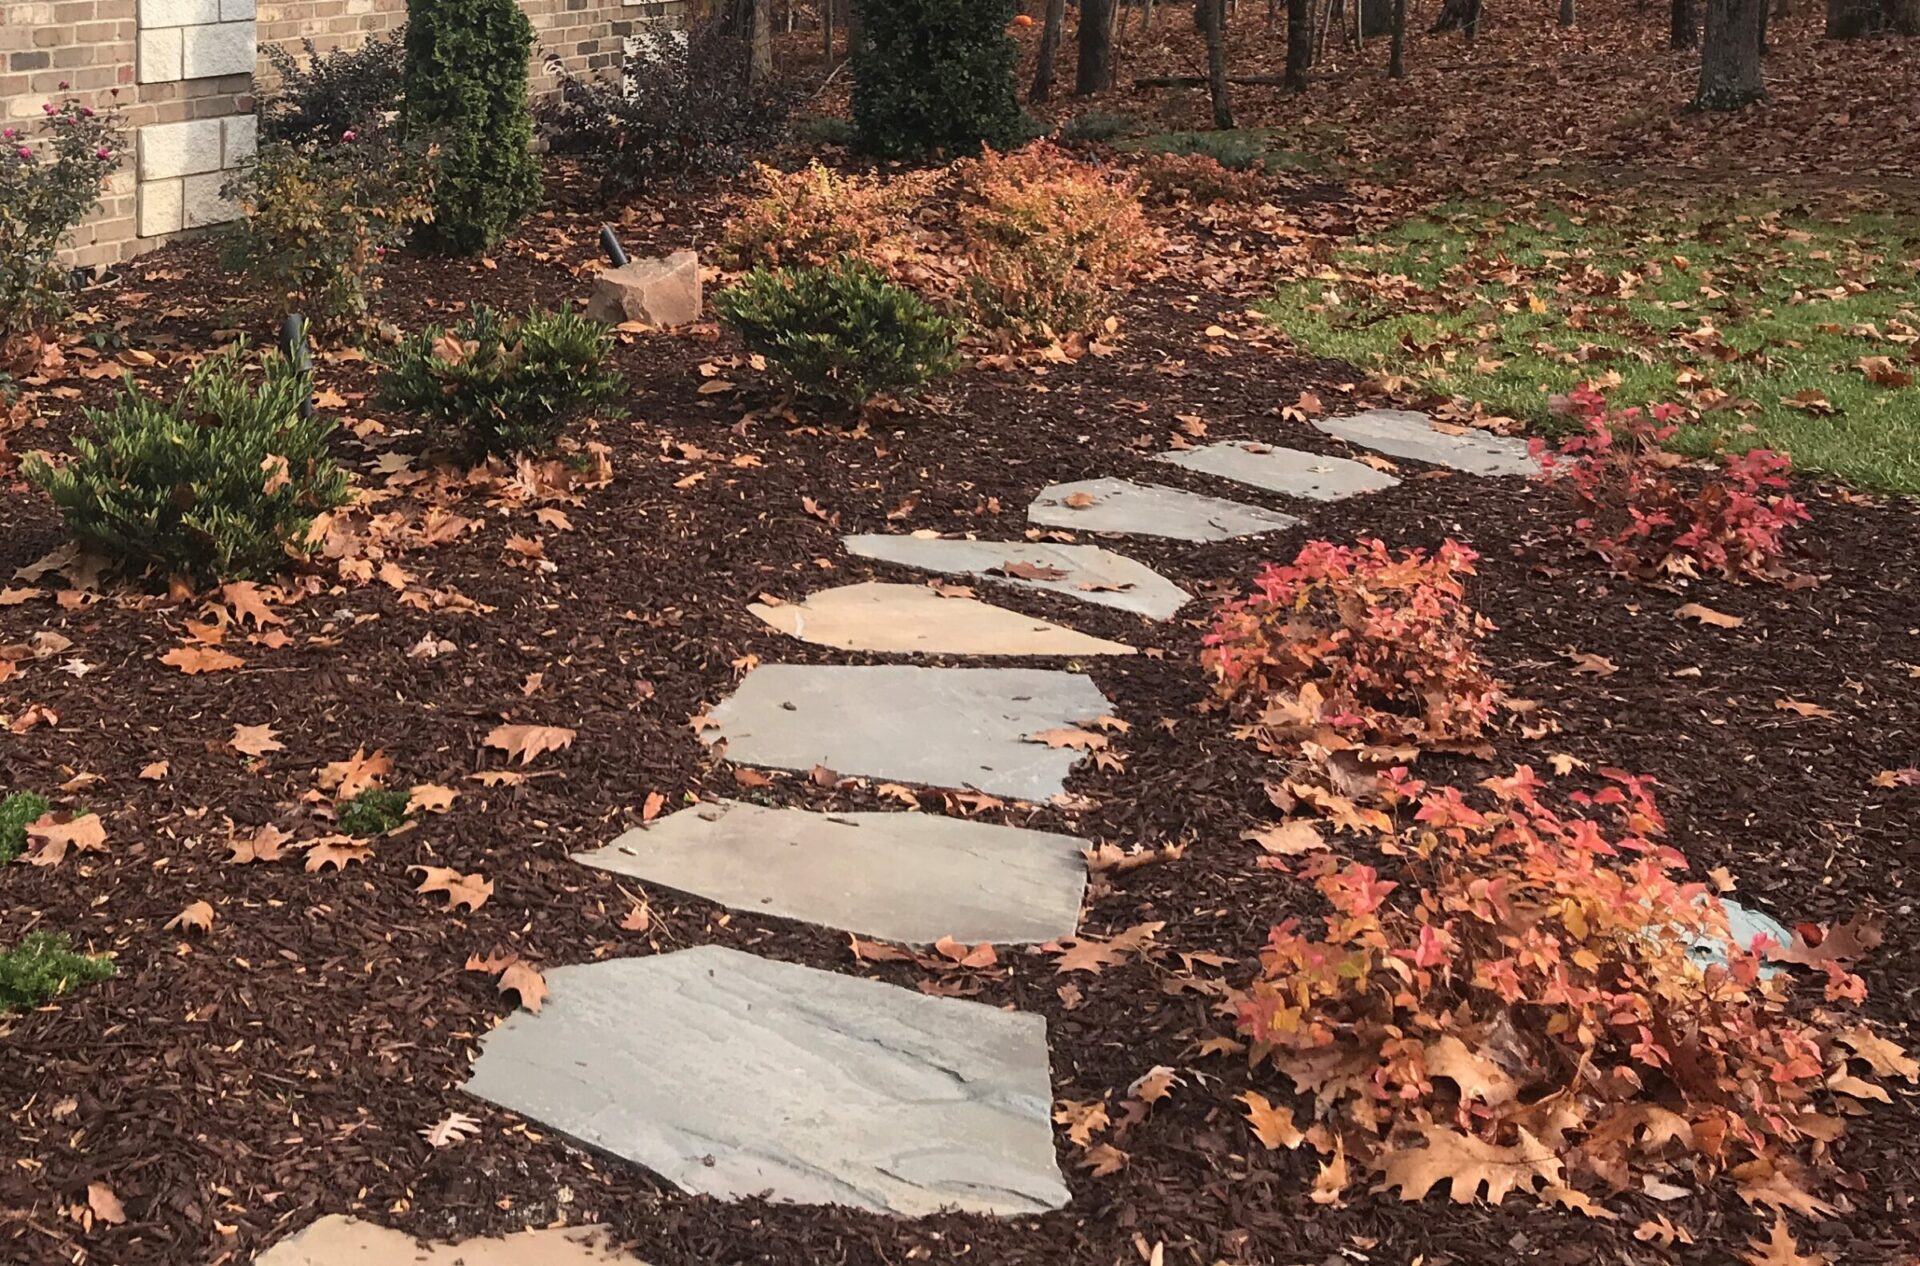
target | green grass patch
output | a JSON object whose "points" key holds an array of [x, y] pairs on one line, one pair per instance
{"points": [[1755, 317], [42, 967], [17, 812], [1236, 148]]}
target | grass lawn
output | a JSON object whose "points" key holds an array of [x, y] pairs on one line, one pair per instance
{"points": [[1767, 322]]}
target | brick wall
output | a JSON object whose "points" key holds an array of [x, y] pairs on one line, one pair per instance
{"points": [[183, 71]]}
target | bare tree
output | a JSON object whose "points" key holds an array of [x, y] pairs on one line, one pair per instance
{"points": [[1299, 42], [1730, 56], [1567, 14], [1682, 32], [1397, 60], [1459, 15], [1095, 71], [1212, 16], [1852, 19], [1050, 30]]}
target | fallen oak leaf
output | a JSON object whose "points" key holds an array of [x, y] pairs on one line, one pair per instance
{"points": [[105, 1205], [264, 845], [1707, 615], [348, 778], [527, 742], [470, 891], [337, 851], [1780, 1248], [1287, 839], [197, 916], [50, 836], [521, 978], [430, 797], [1466, 1163], [455, 1128], [255, 740], [196, 660], [1803, 708], [1077, 739], [1272, 1124], [1102, 1159]]}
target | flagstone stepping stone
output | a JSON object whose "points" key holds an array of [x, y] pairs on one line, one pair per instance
{"points": [[341, 1241], [735, 1076], [1086, 572], [913, 619], [1290, 471], [1119, 505], [1400, 433], [940, 727], [913, 877]]}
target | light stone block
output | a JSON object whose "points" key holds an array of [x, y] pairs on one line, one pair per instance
{"points": [[914, 620], [179, 149], [341, 1241], [158, 55], [201, 203], [735, 1076], [1288, 471], [240, 135], [158, 13], [224, 48], [1084, 572], [237, 10], [1119, 505], [1408, 435], [160, 208]]}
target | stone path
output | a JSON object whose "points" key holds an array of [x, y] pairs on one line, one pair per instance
{"points": [[1086, 572], [1398, 433], [734, 1076], [938, 727], [1121, 506], [1289, 471], [913, 619], [914, 877], [338, 1241]]}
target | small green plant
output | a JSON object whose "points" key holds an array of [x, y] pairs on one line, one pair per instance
{"points": [[936, 76], [1237, 151], [221, 483], [46, 190], [465, 89], [319, 219], [842, 333], [42, 967], [374, 811], [829, 130], [17, 812], [1097, 125], [497, 384]]}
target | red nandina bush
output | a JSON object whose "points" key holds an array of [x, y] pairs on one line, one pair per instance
{"points": [[1357, 644], [1528, 1006], [1643, 521]]}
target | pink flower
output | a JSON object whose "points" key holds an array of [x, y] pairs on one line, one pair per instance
{"points": [[24, 152], [103, 153], [10, 133], [349, 135]]}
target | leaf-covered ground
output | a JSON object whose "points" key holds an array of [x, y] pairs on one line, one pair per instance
{"points": [[290, 1014]]}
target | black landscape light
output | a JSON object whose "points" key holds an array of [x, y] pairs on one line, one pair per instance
{"points": [[611, 245], [293, 342]]}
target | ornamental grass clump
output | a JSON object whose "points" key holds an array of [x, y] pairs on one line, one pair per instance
{"points": [[844, 333], [223, 482], [1543, 1002], [44, 966], [1644, 520], [499, 385], [1353, 645]]}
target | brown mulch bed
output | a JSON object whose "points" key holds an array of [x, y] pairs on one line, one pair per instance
{"points": [[232, 1086]]}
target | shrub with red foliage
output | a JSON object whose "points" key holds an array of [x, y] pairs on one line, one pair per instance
{"points": [[1643, 521], [1530, 998], [1359, 645]]}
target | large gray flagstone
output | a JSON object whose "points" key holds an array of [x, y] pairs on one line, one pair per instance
{"points": [[913, 877], [1119, 505], [913, 619], [736, 1076], [1400, 433], [1088, 572], [1292, 472], [942, 727]]}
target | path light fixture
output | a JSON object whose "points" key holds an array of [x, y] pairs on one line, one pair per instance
{"points": [[611, 245], [293, 343]]}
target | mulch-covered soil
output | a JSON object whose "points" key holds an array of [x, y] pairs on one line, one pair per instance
{"points": [[233, 1085]]}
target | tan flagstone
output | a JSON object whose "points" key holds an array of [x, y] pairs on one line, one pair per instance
{"points": [[341, 1241], [915, 619]]}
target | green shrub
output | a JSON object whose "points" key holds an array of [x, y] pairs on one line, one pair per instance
{"points": [[222, 483], [829, 130], [466, 91], [1096, 126], [340, 91], [42, 967], [319, 218], [936, 76], [1237, 151], [17, 812], [46, 190], [496, 384], [841, 333], [374, 811]]}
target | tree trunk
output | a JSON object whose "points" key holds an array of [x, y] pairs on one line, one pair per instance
{"points": [[1095, 71], [1459, 15], [1682, 31], [1397, 61], [1055, 22], [1567, 14], [826, 30], [1299, 42], [1213, 20], [762, 65], [1730, 56], [1853, 19]]}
